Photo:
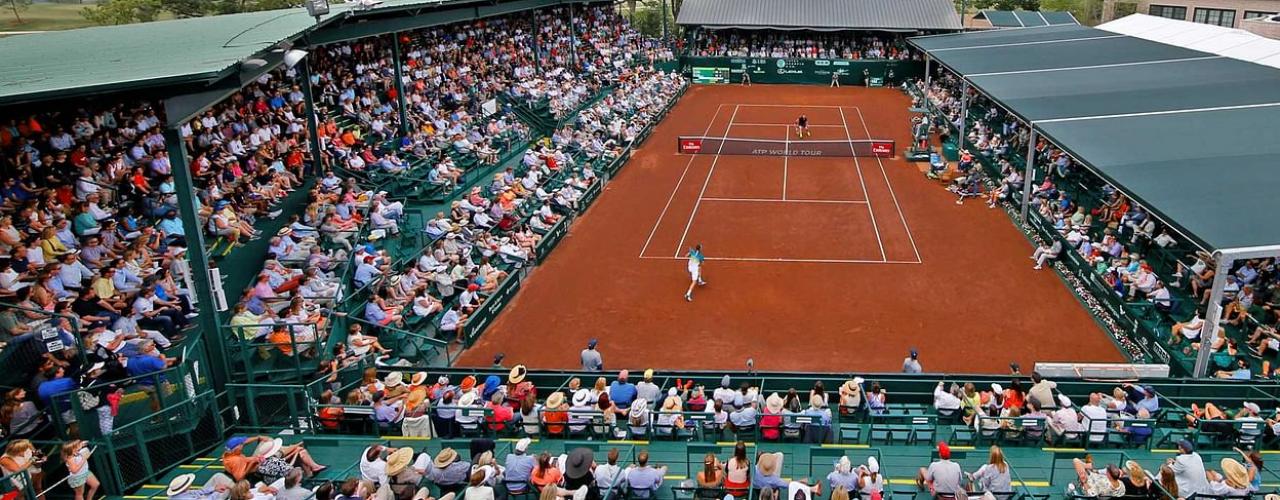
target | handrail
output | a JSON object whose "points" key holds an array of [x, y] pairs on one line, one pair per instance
{"points": [[1022, 484], [436, 342], [9, 482], [75, 325]]}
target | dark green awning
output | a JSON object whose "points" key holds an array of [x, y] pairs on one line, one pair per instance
{"points": [[1025, 18], [1191, 136], [910, 15]]}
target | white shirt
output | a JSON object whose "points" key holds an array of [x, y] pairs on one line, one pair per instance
{"points": [[1096, 421], [375, 471]]}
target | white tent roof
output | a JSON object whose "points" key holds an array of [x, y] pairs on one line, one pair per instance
{"points": [[1226, 42]]}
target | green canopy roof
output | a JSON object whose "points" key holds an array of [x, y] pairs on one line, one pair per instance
{"points": [[1025, 18], [64, 64], [1191, 136], [909, 15]]}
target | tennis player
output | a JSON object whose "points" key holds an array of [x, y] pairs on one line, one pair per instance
{"points": [[802, 126], [695, 270]]}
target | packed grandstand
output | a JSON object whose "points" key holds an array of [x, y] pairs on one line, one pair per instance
{"points": [[267, 277]]}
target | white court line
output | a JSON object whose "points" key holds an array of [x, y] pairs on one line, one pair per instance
{"points": [[888, 184], [813, 261], [677, 188], [710, 171], [788, 200], [788, 125], [789, 106], [865, 193], [786, 159]]}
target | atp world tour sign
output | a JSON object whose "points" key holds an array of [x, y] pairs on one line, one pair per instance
{"points": [[816, 71]]}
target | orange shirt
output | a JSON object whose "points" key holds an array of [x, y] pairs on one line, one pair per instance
{"points": [[281, 340], [237, 465], [544, 477], [555, 418]]}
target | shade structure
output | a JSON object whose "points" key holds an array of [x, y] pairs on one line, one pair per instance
{"points": [[1191, 135]]}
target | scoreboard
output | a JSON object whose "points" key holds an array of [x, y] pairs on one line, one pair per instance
{"points": [[710, 75]]}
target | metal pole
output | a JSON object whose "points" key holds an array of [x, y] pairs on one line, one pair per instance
{"points": [[400, 99], [964, 115], [664, 23], [210, 329], [573, 40], [928, 75], [313, 125], [1211, 316], [537, 49], [1029, 175]]}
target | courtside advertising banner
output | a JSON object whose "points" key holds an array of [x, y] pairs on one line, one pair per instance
{"points": [[691, 145], [882, 149]]}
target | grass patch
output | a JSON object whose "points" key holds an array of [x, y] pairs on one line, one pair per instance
{"points": [[44, 17]]}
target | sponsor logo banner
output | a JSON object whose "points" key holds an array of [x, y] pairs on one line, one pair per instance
{"points": [[690, 146]]}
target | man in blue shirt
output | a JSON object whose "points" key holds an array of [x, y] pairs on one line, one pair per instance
{"points": [[366, 272], [149, 360], [621, 392], [58, 385], [519, 467], [171, 225], [1144, 398], [1240, 373], [644, 480]]}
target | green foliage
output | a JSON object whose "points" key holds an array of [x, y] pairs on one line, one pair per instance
{"points": [[133, 11], [648, 19], [999, 4], [186, 8], [17, 6], [1088, 12], [123, 12]]}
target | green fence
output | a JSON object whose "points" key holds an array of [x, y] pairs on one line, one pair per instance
{"points": [[485, 314], [804, 71], [1134, 326], [144, 449]]}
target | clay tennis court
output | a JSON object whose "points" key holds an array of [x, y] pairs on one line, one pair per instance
{"points": [[814, 264]]}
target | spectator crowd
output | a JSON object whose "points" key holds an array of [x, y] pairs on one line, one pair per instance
{"points": [[1135, 259], [798, 45]]}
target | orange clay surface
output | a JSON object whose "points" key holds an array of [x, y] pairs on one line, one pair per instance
{"points": [[813, 264]]}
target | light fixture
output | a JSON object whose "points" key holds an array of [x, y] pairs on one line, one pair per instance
{"points": [[293, 57], [318, 8], [254, 63]]}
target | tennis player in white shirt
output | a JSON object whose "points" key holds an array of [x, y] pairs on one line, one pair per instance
{"points": [[695, 270]]}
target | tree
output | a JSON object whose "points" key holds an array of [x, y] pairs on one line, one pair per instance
{"points": [[123, 12], [186, 8], [1000, 4], [18, 6], [1087, 11]]}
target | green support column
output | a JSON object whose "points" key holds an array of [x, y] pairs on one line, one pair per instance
{"points": [[210, 330], [665, 40], [573, 37], [313, 125], [537, 49], [404, 110]]}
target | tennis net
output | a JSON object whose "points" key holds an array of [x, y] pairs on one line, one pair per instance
{"points": [[882, 148]]}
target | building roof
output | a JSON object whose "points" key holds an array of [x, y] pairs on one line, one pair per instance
{"points": [[1189, 135], [1230, 42], [821, 14], [62, 64], [1025, 18]]}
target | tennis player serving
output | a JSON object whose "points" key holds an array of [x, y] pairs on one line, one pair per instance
{"points": [[802, 126], [695, 270]]}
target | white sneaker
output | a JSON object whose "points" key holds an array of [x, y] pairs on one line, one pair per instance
{"points": [[1037, 267], [688, 297], [702, 283]]}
